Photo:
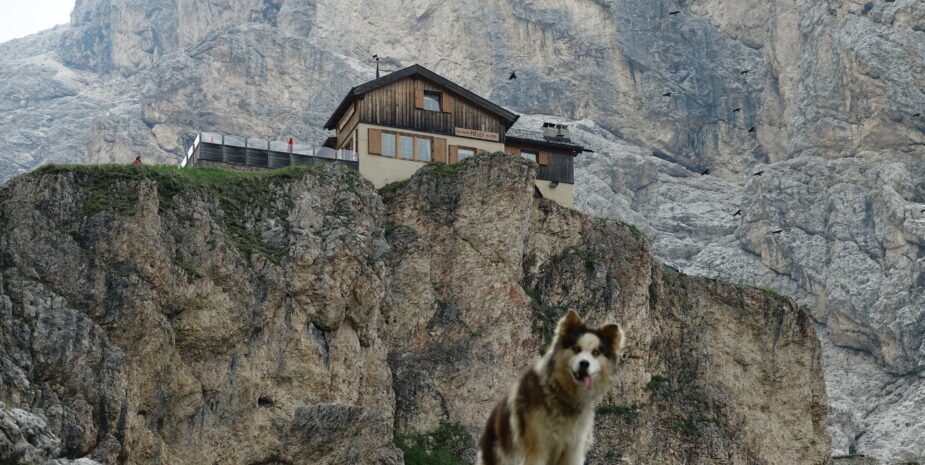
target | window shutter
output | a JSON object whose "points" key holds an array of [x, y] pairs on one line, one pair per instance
{"points": [[512, 150], [375, 141], [454, 154], [419, 99], [543, 158], [446, 102], [439, 150]]}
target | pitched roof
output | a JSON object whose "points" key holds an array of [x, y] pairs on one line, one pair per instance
{"points": [[528, 137], [413, 70]]}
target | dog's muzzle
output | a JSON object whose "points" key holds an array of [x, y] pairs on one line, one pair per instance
{"points": [[582, 375]]}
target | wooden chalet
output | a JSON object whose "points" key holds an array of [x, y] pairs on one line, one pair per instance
{"points": [[401, 121]]}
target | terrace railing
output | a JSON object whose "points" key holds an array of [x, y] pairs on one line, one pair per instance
{"points": [[260, 153]]}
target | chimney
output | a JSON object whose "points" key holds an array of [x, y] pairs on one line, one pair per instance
{"points": [[562, 132], [549, 131]]}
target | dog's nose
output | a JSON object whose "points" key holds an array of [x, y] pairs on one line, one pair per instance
{"points": [[584, 364]]}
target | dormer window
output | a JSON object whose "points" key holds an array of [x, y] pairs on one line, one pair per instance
{"points": [[432, 101]]}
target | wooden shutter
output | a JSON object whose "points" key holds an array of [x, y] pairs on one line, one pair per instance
{"points": [[512, 150], [439, 150], [375, 141], [543, 158], [419, 99], [446, 102], [454, 154]]}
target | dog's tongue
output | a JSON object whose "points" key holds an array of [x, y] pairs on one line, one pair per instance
{"points": [[589, 383]]}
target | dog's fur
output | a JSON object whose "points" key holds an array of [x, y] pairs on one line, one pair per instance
{"points": [[548, 416]]}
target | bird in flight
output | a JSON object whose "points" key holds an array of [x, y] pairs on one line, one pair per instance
{"points": [[752, 129], [758, 173], [777, 232], [923, 210], [512, 76], [666, 94], [916, 115], [737, 110], [745, 72], [673, 13], [737, 213], [706, 171]]}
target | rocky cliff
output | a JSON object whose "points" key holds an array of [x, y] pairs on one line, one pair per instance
{"points": [[827, 91], [158, 316]]}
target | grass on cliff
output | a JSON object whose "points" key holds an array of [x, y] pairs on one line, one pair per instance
{"points": [[241, 195], [444, 446]]}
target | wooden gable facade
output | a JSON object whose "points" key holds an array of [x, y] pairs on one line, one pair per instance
{"points": [[419, 100], [401, 105]]}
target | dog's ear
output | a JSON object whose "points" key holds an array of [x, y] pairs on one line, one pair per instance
{"points": [[571, 321], [613, 336]]}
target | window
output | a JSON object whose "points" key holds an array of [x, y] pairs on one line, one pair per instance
{"points": [[463, 154], [432, 101], [423, 149], [529, 155], [406, 147], [388, 144], [402, 145]]}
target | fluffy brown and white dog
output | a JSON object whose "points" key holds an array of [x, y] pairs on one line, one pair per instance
{"points": [[548, 416]]}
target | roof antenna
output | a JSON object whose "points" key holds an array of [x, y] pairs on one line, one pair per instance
{"points": [[376, 57]]}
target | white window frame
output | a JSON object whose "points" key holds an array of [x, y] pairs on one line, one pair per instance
{"points": [[389, 150], [418, 149], [432, 98]]}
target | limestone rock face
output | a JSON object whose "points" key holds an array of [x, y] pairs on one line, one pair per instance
{"points": [[26, 438], [829, 86], [156, 316], [153, 332]]}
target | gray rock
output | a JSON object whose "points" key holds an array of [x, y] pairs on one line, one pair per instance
{"points": [[336, 434], [831, 89]]}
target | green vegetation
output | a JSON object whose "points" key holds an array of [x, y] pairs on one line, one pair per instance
{"points": [[637, 233], [688, 428], [185, 267], [242, 195], [548, 317], [389, 228], [444, 446], [590, 263], [441, 170], [769, 291], [658, 383], [393, 186]]}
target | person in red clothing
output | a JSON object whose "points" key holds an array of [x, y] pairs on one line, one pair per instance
{"points": [[137, 160]]}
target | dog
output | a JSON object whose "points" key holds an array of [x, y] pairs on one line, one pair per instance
{"points": [[548, 416]]}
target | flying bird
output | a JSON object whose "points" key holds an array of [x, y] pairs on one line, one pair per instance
{"points": [[758, 173], [512, 76], [737, 110], [777, 232], [923, 210], [737, 213], [752, 129], [666, 94], [916, 115], [674, 12], [744, 72], [706, 171]]}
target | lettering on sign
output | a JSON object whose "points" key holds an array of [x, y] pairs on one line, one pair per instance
{"points": [[484, 135]]}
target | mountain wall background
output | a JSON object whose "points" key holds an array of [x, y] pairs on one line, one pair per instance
{"points": [[831, 90]]}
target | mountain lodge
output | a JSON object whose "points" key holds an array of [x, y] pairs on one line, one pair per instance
{"points": [[391, 126]]}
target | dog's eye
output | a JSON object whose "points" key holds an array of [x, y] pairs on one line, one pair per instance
{"points": [[595, 352], [576, 349]]}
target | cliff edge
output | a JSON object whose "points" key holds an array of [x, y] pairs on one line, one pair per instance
{"points": [[160, 316]]}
